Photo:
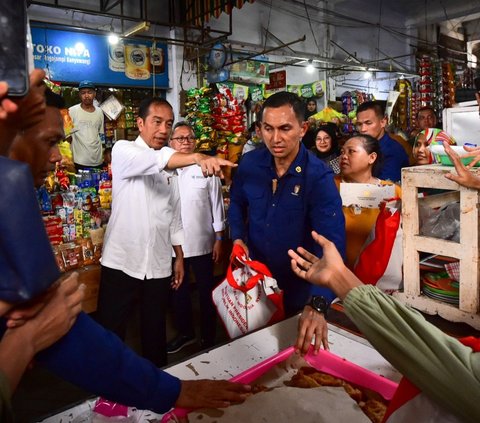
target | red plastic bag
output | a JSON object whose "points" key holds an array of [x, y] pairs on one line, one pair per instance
{"points": [[248, 298], [381, 260]]}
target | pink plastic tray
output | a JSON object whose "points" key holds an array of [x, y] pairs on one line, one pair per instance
{"points": [[324, 361]]}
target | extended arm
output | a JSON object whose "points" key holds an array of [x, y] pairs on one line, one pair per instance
{"points": [[210, 165], [98, 361], [464, 176], [411, 344], [218, 213], [326, 216]]}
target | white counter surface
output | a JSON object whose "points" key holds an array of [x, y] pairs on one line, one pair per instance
{"points": [[239, 355], [234, 357]]}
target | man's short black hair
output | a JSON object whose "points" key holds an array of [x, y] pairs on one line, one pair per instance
{"points": [[376, 106], [54, 100], [284, 98], [147, 102], [181, 124]]}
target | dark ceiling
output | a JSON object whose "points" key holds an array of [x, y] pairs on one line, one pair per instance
{"points": [[120, 15]]}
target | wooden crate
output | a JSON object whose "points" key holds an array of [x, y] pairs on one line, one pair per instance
{"points": [[467, 251]]}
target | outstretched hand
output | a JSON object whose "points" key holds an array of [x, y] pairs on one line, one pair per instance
{"points": [[329, 271], [464, 176], [212, 166], [314, 270], [211, 393]]}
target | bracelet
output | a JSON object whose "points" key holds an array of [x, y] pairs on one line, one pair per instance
{"points": [[218, 238]]}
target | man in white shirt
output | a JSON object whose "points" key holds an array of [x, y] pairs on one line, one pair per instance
{"points": [[144, 224], [88, 135], [203, 218]]}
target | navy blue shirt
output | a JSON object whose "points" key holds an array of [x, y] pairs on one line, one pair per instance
{"points": [[96, 360], [272, 220], [394, 159], [88, 356]]}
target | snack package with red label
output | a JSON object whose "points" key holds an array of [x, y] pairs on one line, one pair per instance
{"points": [[71, 255], [54, 229]]}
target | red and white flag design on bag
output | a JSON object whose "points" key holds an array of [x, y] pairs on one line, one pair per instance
{"points": [[381, 260], [248, 298]]}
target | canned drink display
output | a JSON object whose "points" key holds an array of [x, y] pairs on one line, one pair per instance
{"points": [[116, 57], [137, 61], [157, 60]]}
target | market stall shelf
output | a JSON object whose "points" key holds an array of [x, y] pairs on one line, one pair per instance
{"points": [[466, 251]]}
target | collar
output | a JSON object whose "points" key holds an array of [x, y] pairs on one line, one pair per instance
{"points": [[299, 164], [141, 142], [297, 167], [385, 137]]}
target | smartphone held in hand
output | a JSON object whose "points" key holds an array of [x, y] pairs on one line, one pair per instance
{"points": [[13, 46]]}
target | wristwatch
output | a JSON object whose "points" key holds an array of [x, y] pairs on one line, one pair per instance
{"points": [[319, 303]]}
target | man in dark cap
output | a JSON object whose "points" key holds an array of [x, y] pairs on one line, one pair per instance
{"points": [[88, 135]]}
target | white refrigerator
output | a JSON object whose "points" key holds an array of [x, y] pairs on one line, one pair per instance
{"points": [[463, 123]]}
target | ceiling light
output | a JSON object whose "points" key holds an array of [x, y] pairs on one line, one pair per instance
{"points": [[80, 48], [113, 39], [142, 26], [367, 75], [310, 68]]}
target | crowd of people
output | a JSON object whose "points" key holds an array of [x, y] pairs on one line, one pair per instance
{"points": [[168, 218]]}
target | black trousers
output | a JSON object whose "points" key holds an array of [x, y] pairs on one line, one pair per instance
{"points": [[117, 294], [202, 267]]}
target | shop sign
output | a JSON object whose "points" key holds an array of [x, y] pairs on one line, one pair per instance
{"points": [[250, 71], [256, 93], [68, 56], [278, 82], [314, 89]]}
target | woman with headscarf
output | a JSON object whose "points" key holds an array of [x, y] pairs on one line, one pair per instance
{"points": [[425, 139], [326, 146], [309, 138]]}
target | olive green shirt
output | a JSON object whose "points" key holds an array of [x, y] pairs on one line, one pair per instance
{"points": [[443, 368]]}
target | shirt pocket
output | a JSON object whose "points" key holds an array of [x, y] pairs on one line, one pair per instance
{"points": [[291, 209], [257, 202], [198, 189]]}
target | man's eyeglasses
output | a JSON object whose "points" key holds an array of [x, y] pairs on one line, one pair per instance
{"points": [[184, 140]]}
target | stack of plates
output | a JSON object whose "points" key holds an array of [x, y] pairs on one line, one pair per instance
{"points": [[440, 287]]}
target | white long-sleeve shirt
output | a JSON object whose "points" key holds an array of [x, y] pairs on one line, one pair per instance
{"points": [[146, 216], [203, 212]]}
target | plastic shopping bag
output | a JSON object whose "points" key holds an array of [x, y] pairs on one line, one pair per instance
{"points": [[381, 260], [248, 298]]}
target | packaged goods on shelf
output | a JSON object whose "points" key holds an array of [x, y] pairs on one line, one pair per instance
{"points": [[74, 214]]}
